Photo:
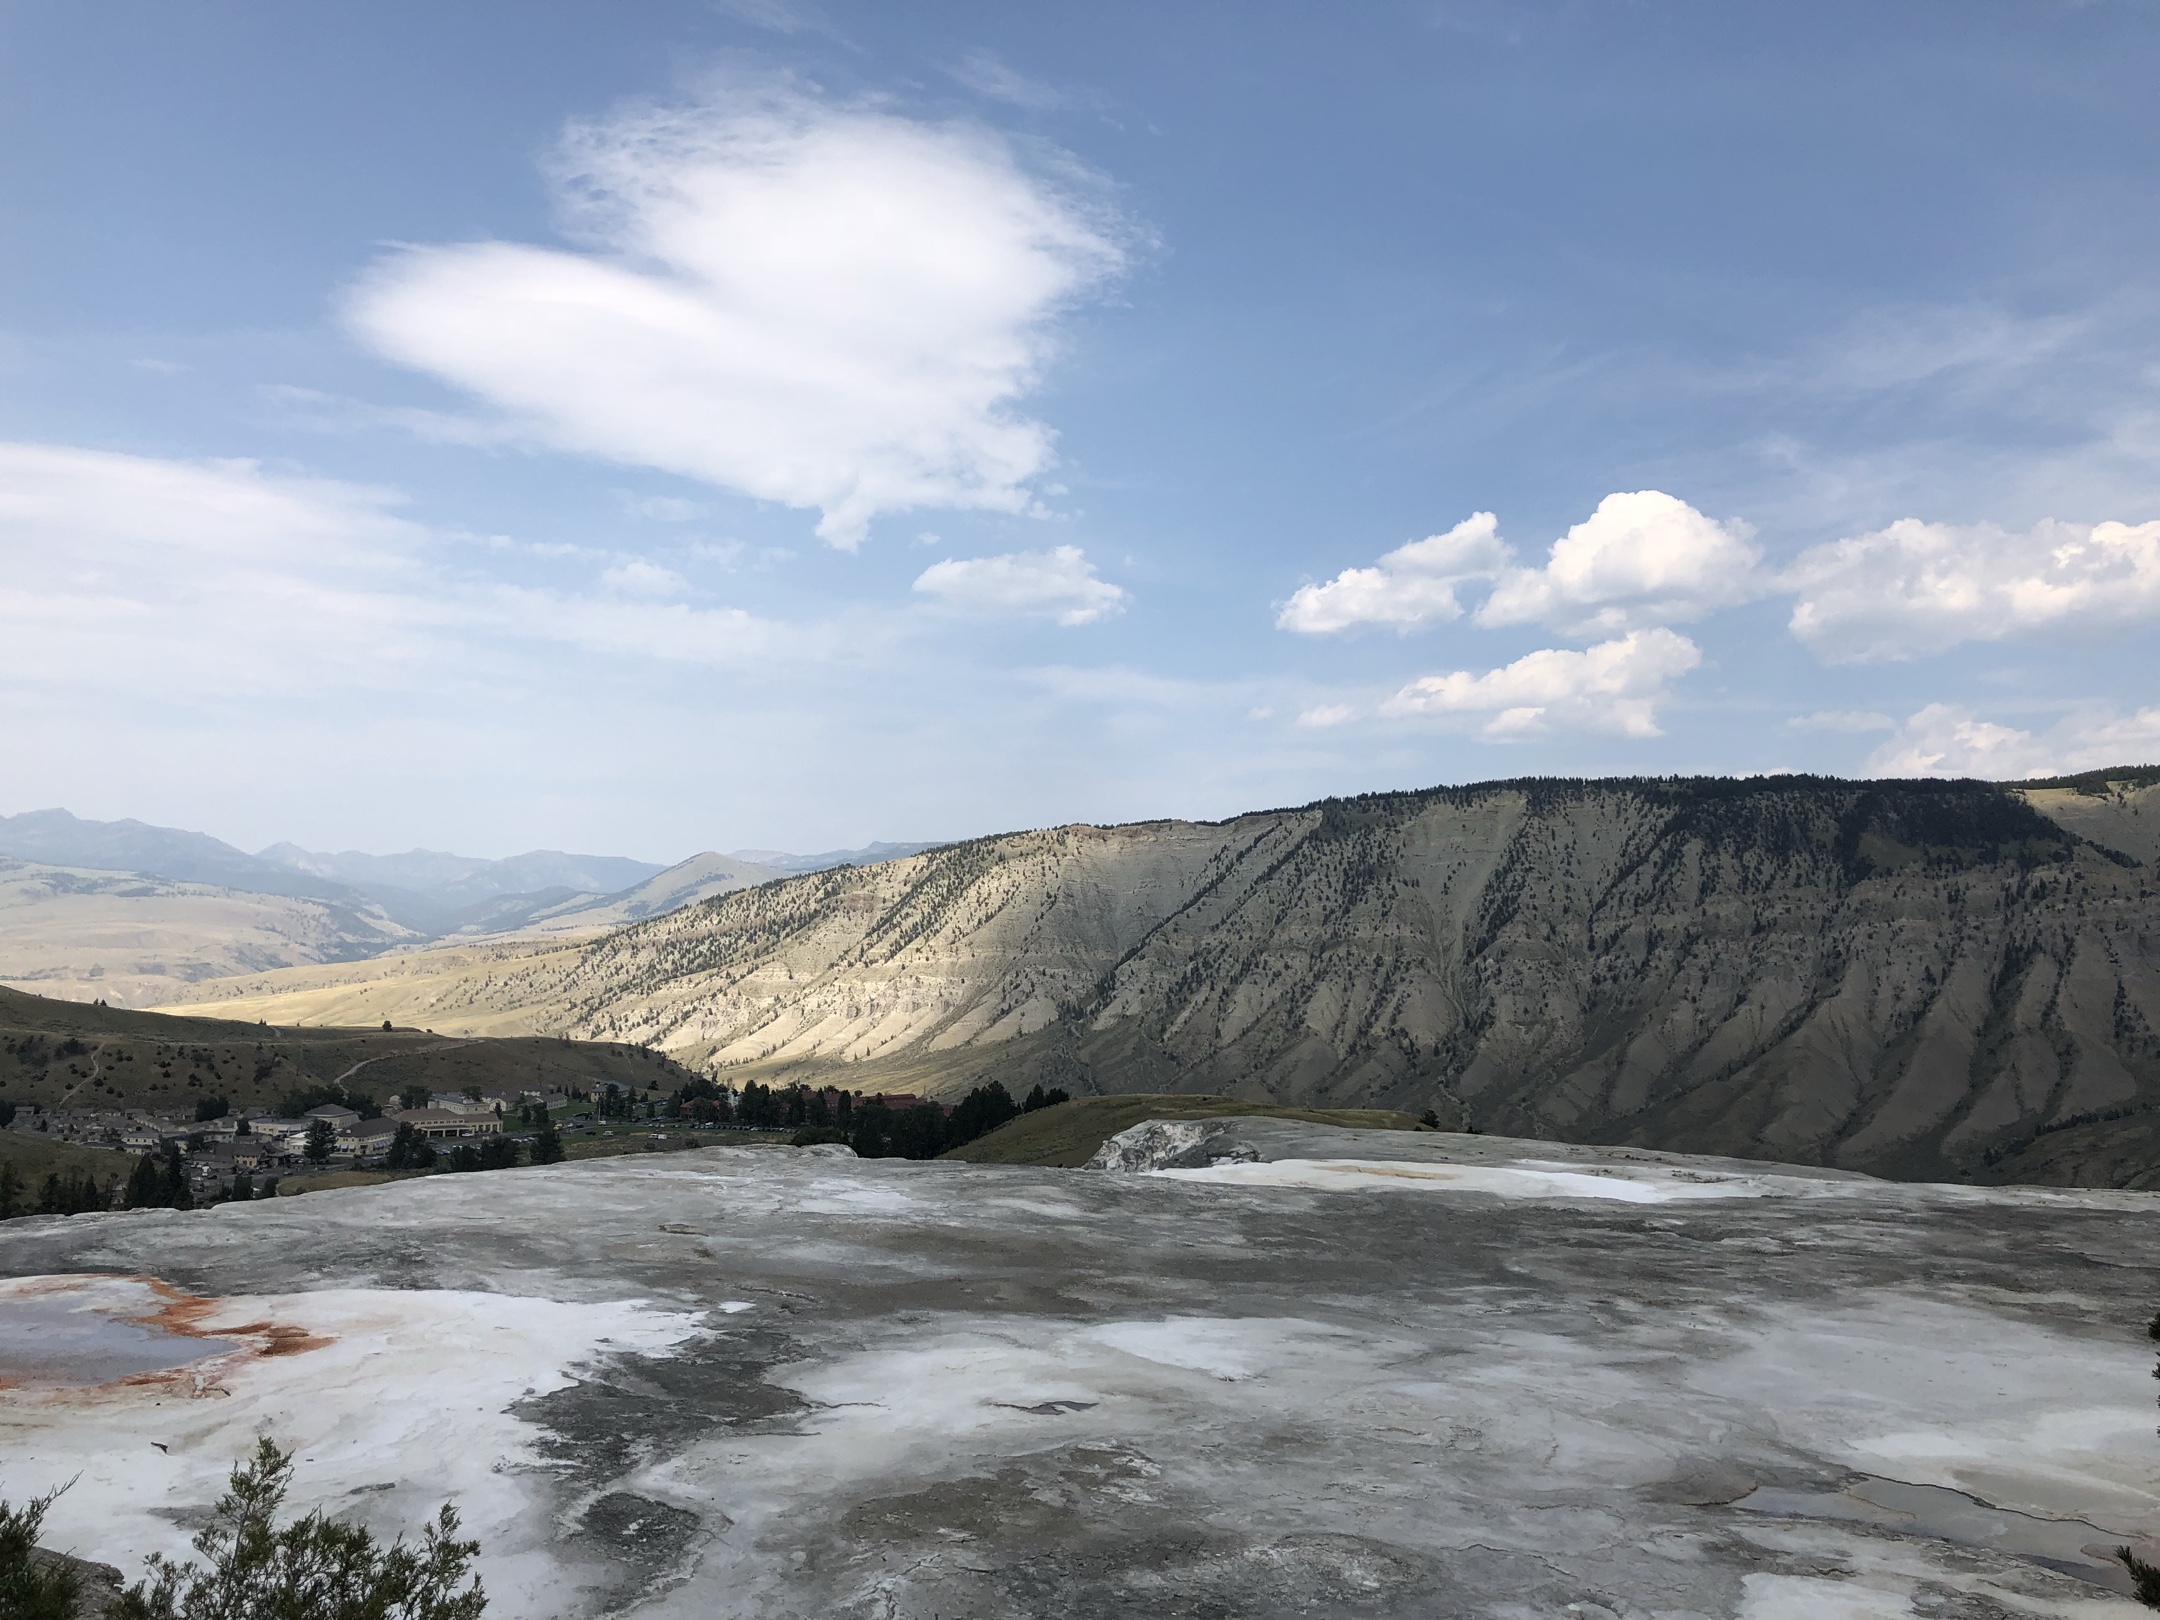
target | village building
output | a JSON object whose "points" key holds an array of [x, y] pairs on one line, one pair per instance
{"points": [[368, 1138], [441, 1124]]}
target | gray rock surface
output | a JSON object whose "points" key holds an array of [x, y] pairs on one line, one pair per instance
{"points": [[774, 1384]]}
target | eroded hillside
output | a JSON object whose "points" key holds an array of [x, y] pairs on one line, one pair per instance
{"points": [[1920, 978]]}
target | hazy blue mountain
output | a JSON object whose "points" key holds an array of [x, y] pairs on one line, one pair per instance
{"points": [[461, 880], [430, 892], [61, 839]]}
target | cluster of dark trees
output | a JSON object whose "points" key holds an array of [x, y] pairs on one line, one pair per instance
{"points": [[873, 1129], [698, 1101], [409, 1150], [617, 1102], [66, 1192], [926, 1130], [295, 1103], [159, 1181]]}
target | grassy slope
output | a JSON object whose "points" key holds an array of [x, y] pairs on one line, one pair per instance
{"points": [[257, 1064], [1069, 1134], [35, 1158]]}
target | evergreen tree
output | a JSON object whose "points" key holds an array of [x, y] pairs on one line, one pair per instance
{"points": [[30, 1588], [919, 1132], [982, 1110], [498, 1153], [320, 1140], [158, 1181], [547, 1147], [11, 1190], [74, 1192], [146, 1184], [871, 1131]]}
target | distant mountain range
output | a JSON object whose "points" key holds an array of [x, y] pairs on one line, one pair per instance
{"points": [[208, 909]]}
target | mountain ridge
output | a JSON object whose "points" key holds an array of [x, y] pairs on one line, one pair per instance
{"points": [[1905, 977]]}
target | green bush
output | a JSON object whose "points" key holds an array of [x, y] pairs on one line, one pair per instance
{"points": [[311, 1569], [32, 1588], [2146, 1577]]}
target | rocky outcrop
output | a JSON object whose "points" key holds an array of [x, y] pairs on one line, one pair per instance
{"points": [[1171, 1144]]}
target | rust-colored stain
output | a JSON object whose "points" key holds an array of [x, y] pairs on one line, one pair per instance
{"points": [[182, 1315]]}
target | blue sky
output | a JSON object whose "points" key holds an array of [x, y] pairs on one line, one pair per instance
{"points": [[705, 425]]}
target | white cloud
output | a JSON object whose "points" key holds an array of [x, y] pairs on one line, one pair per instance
{"points": [[641, 578], [1412, 586], [1614, 686], [1640, 559], [831, 308], [1916, 588], [1942, 740], [1059, 584], [142, 578], [1327, 714], [1842, 720]]}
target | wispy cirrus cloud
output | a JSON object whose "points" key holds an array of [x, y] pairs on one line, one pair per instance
{"points": [[827, 306], [216, 580]]}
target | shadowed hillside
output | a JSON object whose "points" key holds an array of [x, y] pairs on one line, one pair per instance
{"points": [[66, 1054], [1917, 978]]}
